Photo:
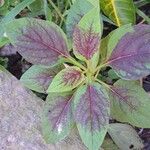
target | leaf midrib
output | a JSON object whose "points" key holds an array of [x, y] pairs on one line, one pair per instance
{"points": [[123, 56], [115, 12]]}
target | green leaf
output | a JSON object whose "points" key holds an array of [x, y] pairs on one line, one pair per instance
{"points": [[110, 42], [57, 118], [38, 78], [91, 113], [120, 12], [125, 136], [11, 15], [108, 144], [76, 12], [130, 103], [4, 5], [4, 41], [112, 74], [92, 20], [95, 3], [66, 80], [36, 6]]}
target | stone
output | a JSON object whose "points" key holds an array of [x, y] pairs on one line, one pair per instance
{"points": [[20, 121]]}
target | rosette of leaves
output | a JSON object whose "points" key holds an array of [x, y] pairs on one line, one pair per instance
{"points": [[75, 94]]}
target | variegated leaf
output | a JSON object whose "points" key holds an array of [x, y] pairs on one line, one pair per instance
{"points": [[76, 12], [39, 42], [57, 119], [120, 12], [38, 78], [66, 80], [91, 113], [131, 57], [130, 103]]}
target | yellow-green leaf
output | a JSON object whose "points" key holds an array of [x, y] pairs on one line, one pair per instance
{"points": [[120, 12]]}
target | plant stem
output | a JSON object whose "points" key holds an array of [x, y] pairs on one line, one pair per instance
{"points": [[74, 62], [143, 15], [141, 3], [66, 6], [57, 10], [101, 82]]}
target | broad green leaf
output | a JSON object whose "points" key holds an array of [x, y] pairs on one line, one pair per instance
{"points": [[108, 144], [91, 113], [57, 118], [92, 21], [38, 78], [36, 6], [86, 37], [109, 42], [12, 14], [112, 74], [95, 3], [39, 42], [76, 12], [66, 80], [131, 57], [130, 103], [125, 136], [120, 12]]}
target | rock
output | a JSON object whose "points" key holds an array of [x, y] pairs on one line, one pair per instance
{"points": [[20, 122]]}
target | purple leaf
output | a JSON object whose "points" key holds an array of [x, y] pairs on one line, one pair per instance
{"points": [[39, 42], [91, 113], [86, 43], [131, 57], [123, 97], [57, 117]]}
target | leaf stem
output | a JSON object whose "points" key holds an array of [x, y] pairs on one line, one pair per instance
{"points": [[99, 68], [143, 15], [74, 62], [66, 6], [57, 10], [101, 82]]}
